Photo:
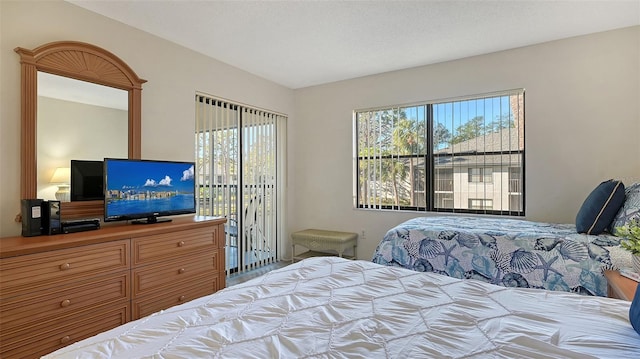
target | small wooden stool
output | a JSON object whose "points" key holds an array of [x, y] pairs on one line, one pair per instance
{"points": [[318, 241]]}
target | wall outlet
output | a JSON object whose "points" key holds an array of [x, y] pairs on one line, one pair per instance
{"points": [[362, 234]]}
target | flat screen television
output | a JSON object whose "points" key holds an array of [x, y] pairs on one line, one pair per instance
{"points": [[87, 180], [145, 190]]}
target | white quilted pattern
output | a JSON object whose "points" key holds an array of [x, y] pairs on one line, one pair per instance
{"points": [[335, 308]]}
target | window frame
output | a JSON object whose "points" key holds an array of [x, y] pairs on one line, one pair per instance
{"points": [[430, 157]]}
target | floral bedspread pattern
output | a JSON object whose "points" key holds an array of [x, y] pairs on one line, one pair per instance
{"points": [[506, 252]]}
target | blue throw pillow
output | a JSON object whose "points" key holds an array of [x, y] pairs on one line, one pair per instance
{"points": [[600, 207], [634, 312]]}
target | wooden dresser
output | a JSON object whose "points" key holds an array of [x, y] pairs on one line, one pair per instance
{"points": [[56, 290]]}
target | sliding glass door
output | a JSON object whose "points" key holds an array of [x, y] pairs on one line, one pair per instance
{"points": [[239, 175]]}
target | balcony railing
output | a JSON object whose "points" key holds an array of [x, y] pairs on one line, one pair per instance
{"points": [[254, 244], [444, 185], [515, 185]]}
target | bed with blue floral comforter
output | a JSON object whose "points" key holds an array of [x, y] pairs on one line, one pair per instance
{"points": [[507, 252]]}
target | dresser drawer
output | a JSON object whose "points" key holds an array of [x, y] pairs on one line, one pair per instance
{"points": [[170, 245], [19, 275], [177, 294], [170, 273], [40, 306], [37, 340]]}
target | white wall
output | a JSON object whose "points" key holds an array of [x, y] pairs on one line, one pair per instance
{"points": [[173, 73], [582, 126]]}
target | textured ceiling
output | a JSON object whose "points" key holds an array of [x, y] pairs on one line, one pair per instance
{"points": [[304, 43]]}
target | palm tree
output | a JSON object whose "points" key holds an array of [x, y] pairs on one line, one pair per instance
{"points": [[384, 136], [409, 138]]}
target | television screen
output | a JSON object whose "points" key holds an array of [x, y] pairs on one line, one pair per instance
{"points": [[86, 180], [147, 189]]}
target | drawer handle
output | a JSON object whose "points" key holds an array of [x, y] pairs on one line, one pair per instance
{"points": [[181, 298], [65, 339], [65, 303], [65, 266], [181, 243], [181, 270]]}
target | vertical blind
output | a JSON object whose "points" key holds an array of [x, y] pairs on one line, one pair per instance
{"points": [[462, 155], [239, 169]]}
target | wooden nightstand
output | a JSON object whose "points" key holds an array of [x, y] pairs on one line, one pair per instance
{"points": [[620, 287]]}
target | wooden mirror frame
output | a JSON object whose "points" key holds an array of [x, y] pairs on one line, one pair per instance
{"points": [[80, 61]]}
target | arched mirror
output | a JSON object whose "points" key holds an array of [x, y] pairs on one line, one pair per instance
{"points": [[88, 65]]}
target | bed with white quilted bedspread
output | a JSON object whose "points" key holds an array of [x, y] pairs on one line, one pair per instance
{"points": [[330, 307]]}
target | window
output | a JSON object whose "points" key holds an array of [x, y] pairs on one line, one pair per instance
{"points": [[463, 155], [484, 174], [480, 203], [444, 200]]}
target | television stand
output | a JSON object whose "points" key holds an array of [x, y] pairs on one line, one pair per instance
{"points": [[115, 274], [151, 220]]}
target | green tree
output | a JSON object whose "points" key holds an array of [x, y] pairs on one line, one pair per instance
{"points": [[441, 135], [408, 140], [382, 137], [470, 129], [476, 127]]}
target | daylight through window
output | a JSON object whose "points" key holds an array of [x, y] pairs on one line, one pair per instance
{"points": [[463, 155]]}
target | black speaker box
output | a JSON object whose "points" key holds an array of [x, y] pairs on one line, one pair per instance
{"points": [[51, 223], [80, 227], [31, 212]]}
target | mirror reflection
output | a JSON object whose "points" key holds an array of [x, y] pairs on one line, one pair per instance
{"points": [[77, 120]]}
